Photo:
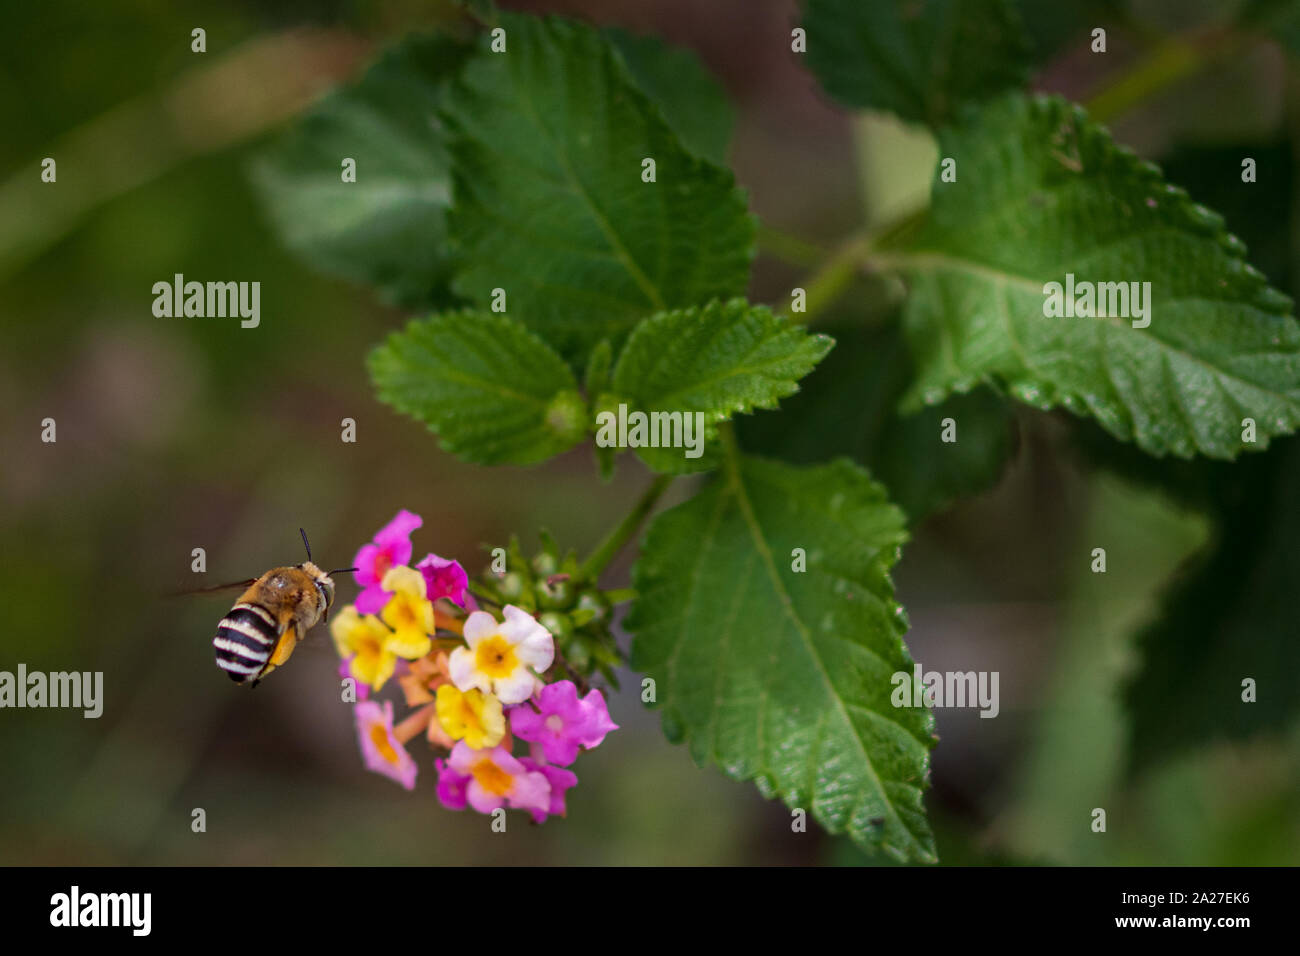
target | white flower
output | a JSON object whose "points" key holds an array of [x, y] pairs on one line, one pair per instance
{"points": [[500, 655]]}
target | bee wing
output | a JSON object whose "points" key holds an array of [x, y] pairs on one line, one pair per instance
{"points": [[233, 585]]}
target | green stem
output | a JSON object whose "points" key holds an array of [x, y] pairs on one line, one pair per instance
{"points": [[1174, 59], [476, 589], [825, 286], [226, 100], [612, 545], [788, 248], [1170, 62], [727, 436]]}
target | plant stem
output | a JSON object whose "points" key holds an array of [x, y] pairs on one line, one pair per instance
{"points": [[1171, 61], [792, 249], [579, 681], [833, 278], [730, 447], [836, 274], [227, 100], [476, 589], [612, 545]]}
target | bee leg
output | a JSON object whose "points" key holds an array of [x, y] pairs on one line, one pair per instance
{"points": [[282, 650]]}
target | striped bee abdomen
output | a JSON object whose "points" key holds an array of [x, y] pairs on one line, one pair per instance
{"points": [[246, 638]]}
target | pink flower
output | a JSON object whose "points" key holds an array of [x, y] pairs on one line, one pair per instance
{"points": [[562, 722], [444, 578], [600, 724], [382, 751], [560, 781], [496, 779], [451, 786], [345, 671], [391, 547]]}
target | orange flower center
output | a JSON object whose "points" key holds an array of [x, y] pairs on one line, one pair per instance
{"points": [[379, 737], [495, 657], [492, 778]]}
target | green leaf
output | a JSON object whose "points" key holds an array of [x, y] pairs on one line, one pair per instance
{"points": [[848, 406], [1042, 192], [1212, 173], [1077, 742], [671, 457], [780, 676], [494, 392], [594, 383], [596, 378], [1228, 614], [920, 59], [549, 139], [719, 360], [387, 229], [1052, 27], [674, 78]]}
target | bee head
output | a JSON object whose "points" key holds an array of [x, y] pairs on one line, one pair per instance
{"points": [[324, 583]]}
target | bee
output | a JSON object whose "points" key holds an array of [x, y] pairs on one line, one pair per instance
{"points": [[271, 617]]}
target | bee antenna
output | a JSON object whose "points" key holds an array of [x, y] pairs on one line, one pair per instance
{"points": [[304, 542], [343, 570]]}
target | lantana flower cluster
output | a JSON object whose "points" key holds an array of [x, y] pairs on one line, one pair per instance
{"points": [[479, 683]]}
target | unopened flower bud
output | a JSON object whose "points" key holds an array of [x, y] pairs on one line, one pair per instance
{"points": [[558, 624], [512, 586], [554, 593]]}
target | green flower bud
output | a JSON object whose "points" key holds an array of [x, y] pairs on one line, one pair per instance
{"points": [[593, 606], [578, 657], [558, 624], [555, 595], [566, 416], [512, 586]]}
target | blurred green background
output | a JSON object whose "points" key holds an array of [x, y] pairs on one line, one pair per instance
{"points": [[182, 433]]}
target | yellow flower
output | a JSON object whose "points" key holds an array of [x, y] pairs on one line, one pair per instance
{"points": [[408, 612], [363, 639], [370, 647], [472, 716]]}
